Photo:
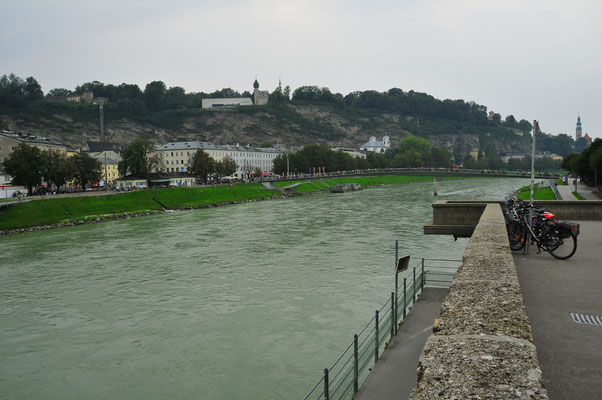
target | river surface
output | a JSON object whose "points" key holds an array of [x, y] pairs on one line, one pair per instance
{"points": [[250, 301]]}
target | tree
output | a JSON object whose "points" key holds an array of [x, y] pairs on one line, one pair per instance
{"points": [[580, 145], [470, 162], [510, 121], [25, 166], [59, 92], [201, 165], [32, 89], [525, 125], [441, 157], [58, 168], [568, 162], [257, 172], [230, 165], [88, 170], [595, 163], [175, 97], [154, 95], [139, 158]]}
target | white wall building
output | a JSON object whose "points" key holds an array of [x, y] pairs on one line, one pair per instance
{"points": [[226, 102], [376, 146], [177, 155], [249, 158]]}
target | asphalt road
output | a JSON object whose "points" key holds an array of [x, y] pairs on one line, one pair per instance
{"points": [[570, 353]]}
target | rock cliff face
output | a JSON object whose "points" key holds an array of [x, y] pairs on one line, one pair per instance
{"points": [[297, 125]]}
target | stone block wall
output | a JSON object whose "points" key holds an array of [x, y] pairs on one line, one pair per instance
{"points": [[482, 346]]}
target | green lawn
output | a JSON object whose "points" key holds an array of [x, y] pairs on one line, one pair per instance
{"points": [[55, 210], [64, 209], [538, 194], [578, 196]]}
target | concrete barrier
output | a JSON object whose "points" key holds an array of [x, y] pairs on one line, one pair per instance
{"points": [[482, 346], [459, 218]]}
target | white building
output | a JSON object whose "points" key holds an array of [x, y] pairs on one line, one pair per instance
{"points": [[375, 146], [176, 156], [249, 158], [226, 102]]}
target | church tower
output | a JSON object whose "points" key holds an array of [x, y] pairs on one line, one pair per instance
{"points": [[260, 97], [578, 130]]}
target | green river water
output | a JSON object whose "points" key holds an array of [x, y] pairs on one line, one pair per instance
{"points": [[250, 301]]}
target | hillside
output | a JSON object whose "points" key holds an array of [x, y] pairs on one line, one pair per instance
{"points": [[310, 115], [283, 125]]}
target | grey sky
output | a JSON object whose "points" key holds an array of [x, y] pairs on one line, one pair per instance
{"points": [[533, 59]]}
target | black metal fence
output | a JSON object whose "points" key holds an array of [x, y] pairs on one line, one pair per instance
{"points": [[344, 378]]}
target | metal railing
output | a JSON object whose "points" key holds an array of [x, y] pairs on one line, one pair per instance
{"points": [[344, 378]]}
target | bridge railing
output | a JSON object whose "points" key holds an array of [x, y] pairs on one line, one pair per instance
{"points": [[346, 375], [429, 171]]}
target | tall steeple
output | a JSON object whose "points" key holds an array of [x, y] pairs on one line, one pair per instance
{"points": [[578, 131]]}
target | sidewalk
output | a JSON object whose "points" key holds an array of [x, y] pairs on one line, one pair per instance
{"points": [[394, 375], [569, 353], [566, 191]]}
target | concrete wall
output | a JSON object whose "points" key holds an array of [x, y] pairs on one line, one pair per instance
{"points": [[482, 346], [458, 218]]}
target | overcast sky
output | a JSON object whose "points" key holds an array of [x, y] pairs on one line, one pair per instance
{"points": [[537, 60]]}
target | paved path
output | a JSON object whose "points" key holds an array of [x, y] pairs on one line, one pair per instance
{"points": [[394, 375], [570, 354], [566, 191]]}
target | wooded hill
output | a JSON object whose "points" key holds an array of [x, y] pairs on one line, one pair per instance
{"points": [[307, 115]]}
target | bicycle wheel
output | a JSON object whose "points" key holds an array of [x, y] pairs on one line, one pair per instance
{"points": [[516, 236], [564, 248]]}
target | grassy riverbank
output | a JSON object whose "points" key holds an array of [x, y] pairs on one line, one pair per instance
{"points": [[545, 193], [65, 210]]}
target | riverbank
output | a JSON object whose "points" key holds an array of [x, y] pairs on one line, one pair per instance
{"points": [[59, 212]]}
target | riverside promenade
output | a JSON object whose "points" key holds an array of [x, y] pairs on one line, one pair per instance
{"points": [[570, 353], [564, 355]]}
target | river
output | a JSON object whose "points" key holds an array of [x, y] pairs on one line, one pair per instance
{"points": [[250, 301]]}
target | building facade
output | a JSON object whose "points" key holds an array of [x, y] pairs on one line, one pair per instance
{"points": [[177, 156], [217, 104], [10, 140], [376, 146], [260, 97]]}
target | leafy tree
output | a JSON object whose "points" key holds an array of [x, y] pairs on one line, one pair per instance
{"points": [[561, 144], [510, 121], [230, 166], [175, 97], [583, 166], [279, 164], [139, 158], [441, 157], [59, 92], [58, 168], [32, 89], [568, 162], [580, 144], [88, 170], [470, 162], [595, 163], [257, 172], [201, 165], [154, 95], [25, 166], [525, 125], [12, 90]]}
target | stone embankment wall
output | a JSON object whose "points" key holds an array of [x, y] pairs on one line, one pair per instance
{"points": [[482, 346]]}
